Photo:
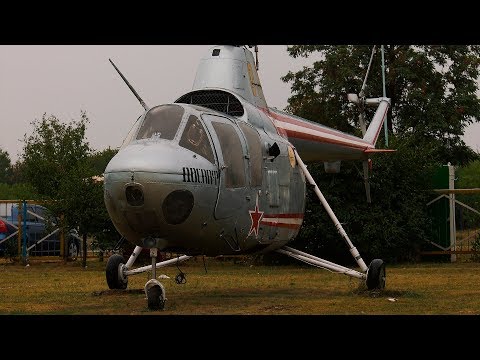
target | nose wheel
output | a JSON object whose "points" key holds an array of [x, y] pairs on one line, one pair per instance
{"points": [[118, 271], [155, 295], [153, 288]]}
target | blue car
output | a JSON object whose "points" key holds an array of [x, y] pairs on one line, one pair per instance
{"points": [[37, 229]]}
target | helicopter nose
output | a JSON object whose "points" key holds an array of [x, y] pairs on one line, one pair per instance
{"points": [[148, 157], [147, 191]]}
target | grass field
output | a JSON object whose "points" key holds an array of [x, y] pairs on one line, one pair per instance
{"points": [[228, 288]]}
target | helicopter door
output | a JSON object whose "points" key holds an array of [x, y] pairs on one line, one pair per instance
{"points": [[230, 148]]}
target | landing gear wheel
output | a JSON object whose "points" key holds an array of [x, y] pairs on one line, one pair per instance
{"points": [[115, 279], [155, 298], [376, 275]]}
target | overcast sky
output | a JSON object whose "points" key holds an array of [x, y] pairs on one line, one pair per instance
{"points": [[64, 79]]}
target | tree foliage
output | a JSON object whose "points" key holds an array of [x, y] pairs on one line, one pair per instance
{"points": [[18, 191], [18, 173], [393, 227], [12, 185], [60, 164], [433, 91], [468, 177], [5, 167], [100, 159], [53, 151]]}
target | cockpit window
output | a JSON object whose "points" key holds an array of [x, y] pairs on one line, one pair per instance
{"points": [[195, 138], [232, 154], [161, 122], [131, 133], [255, 152]]}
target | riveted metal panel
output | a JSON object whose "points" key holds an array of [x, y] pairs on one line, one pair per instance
{"points": [[273, 190]]}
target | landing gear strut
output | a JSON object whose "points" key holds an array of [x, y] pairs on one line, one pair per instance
{"points": [[374, 275], [153, 288], [117, 273]]}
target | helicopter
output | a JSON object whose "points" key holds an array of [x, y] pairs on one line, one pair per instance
{"points": [[219, 172]]}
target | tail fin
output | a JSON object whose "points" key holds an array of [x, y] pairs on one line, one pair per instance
{"points": [[371, 136], [377, 122]]}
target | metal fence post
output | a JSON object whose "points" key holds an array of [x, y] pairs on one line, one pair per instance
{"points": [[63, 248], [24, 232], [453, 225], [20, 232]]}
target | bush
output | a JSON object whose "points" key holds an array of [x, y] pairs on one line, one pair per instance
{"points": [[476, 247]]}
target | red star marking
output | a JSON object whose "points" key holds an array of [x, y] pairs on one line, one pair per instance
{"points": [[256, 216]]}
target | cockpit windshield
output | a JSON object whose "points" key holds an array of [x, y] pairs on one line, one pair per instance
{"points": [[161, 122], [132, 132], [195, 138]]}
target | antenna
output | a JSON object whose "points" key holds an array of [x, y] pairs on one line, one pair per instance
{"points": [[130, 87]]}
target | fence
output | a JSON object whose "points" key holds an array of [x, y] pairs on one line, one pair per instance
{"points": [[35, 232], [456, 224]]}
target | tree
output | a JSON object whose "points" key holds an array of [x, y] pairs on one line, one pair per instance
{"points": [[18, 173], [393, 227], [469, 177], [53, 151], [433, 91], [5, 167], [57, 161], [108, 236], [81, 203], [100, 159], [18, 191]]}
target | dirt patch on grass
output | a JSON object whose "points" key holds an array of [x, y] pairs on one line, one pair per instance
{"points": [[118, 292], [277, 308], [385, 293]]}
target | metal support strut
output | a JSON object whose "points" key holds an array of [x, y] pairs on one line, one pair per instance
{"points": [[133, 257], [157, 265], [153, 255], [321, 263], [353, 250]]}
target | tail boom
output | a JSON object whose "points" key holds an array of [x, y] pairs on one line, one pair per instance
{"points": [[315, 142]]}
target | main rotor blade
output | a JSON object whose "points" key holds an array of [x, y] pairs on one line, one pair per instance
{"points": [[130, 87], [361, 95], [362, 90]]}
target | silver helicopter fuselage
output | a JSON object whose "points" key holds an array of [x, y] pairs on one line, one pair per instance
{"points": [[192, 200], [215, 173]]}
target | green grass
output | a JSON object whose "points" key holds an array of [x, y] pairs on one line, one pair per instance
{"points": [[227, 288]]}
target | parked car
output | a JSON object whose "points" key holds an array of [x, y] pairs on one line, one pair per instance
{"points": [[36, 229]]}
